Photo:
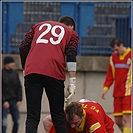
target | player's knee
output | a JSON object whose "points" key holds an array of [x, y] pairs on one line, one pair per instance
{"points": [[47, 123], [127, 118]]}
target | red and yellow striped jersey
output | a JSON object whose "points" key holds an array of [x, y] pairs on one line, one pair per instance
{"points": [[95, 120], [120, 72]]}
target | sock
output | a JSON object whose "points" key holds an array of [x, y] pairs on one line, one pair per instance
{"points": [[126, 130]]}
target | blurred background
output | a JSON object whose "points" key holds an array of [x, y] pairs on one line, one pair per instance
{"points": [[97, 23]]}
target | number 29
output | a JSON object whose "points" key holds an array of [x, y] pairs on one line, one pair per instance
{"points": [[42, 39]]}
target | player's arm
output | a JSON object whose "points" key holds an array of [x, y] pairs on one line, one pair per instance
{"points": [[94, 126], [25, 46], [71, 53], [109, 78]]}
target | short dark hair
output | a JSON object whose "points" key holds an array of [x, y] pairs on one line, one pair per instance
{"points": [[67, 21], [8, 59], [74, 108], [115, 41]]}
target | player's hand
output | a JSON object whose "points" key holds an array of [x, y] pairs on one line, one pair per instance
{"points": [[6, 105], [70, 93], [103, 94]]}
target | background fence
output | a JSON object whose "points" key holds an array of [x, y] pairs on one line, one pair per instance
{"points": [[97, 23]]}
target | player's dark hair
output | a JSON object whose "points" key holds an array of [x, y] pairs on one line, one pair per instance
{"points": [[67, 21], [74, 108], [115, 41]]}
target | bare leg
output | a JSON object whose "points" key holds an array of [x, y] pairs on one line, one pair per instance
{"points": [[119, 122], [127, 123], [47, 123]]}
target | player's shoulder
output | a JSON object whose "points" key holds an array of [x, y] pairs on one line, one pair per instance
{"points": [[129, 50], [43, 23], [56, 24], [52, 23], [114, 55]]}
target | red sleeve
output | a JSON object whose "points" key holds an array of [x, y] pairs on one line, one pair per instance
{"points": [[95, 125], [110, 74], [109, 78], [109, 125]]}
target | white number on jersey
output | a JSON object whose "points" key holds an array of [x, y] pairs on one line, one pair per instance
{"points": [[51, 29]]}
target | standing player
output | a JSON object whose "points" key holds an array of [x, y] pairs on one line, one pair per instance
{"points": [[119, 72], [84, 116], [42, 53]]}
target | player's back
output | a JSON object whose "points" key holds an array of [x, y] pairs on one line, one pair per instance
{"points": [[47, 52], [92, 108], [95, 113]]}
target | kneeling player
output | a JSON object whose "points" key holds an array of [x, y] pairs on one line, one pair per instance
{"points": [[84, 116]]}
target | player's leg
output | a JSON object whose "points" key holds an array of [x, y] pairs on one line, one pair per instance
{"points": [[55, 92], [15, 116], [118, 112], [119, 123], [34, 91], [47, 123], [127, 123], [4, 119], [127, 114]]}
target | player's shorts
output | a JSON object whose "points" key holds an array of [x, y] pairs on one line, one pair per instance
{"points": [[122, 105]]}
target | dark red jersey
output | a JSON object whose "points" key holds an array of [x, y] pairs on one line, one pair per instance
{"points": [[49, 43]]}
